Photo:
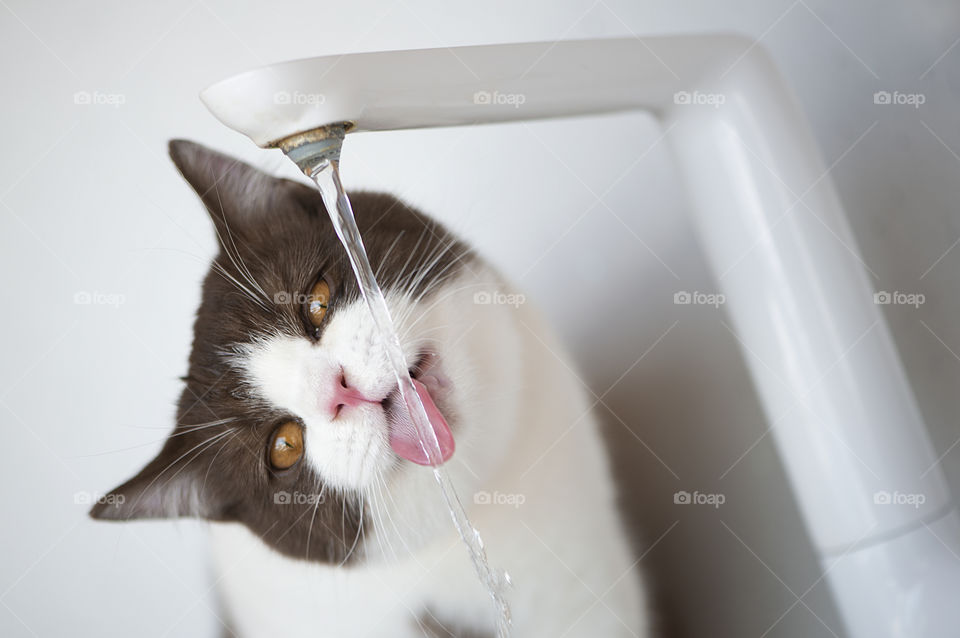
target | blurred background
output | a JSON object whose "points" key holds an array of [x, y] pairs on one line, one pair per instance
{"points": [[103, 248]]}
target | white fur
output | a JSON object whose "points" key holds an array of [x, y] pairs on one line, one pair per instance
{"points": [[524, 432]]}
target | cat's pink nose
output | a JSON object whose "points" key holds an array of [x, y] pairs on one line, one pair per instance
{"points": [[346, 396]]}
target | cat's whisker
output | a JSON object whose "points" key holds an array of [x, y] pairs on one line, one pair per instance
{"points": [[116, 451], [320, 499], [241, 287], [204, 444], [387, 254], [244, 271], [422, 272], [373, 506], [223, 446], [155, 441], [343, 522], [382, 489], [413, 252], [426, 265], [387, 510], [438, 280], [313, 519], [357, 537], [382, 532], [435, 328], [421, 341], [190, 427], [239, 270], [439, 300], [226, 275], [167, 249], [399, 535], [432, 253], [377, 505], [416, 274]]}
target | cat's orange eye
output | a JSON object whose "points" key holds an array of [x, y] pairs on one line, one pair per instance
{"points": [[317, 302], [286, 445]]}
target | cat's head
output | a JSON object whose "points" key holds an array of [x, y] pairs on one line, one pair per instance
{"points": [[285, 419]]}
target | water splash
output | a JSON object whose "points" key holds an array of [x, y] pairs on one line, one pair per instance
{"points": [[318, 155]]}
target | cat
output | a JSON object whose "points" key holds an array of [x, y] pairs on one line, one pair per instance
{"points": [[292, 441]]}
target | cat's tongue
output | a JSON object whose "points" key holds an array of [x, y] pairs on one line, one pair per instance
{"points": [[403, 433]]}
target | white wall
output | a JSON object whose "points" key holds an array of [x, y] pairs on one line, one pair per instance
{"points": [[91, 204]]}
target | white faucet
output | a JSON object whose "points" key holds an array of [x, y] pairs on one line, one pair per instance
{"points": [[840, 409]]}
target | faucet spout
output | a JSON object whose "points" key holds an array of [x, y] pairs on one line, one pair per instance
{"points": [[311, 150]]}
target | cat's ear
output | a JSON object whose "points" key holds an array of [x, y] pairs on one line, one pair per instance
{"points": [[235, 192], [164, 488]]}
